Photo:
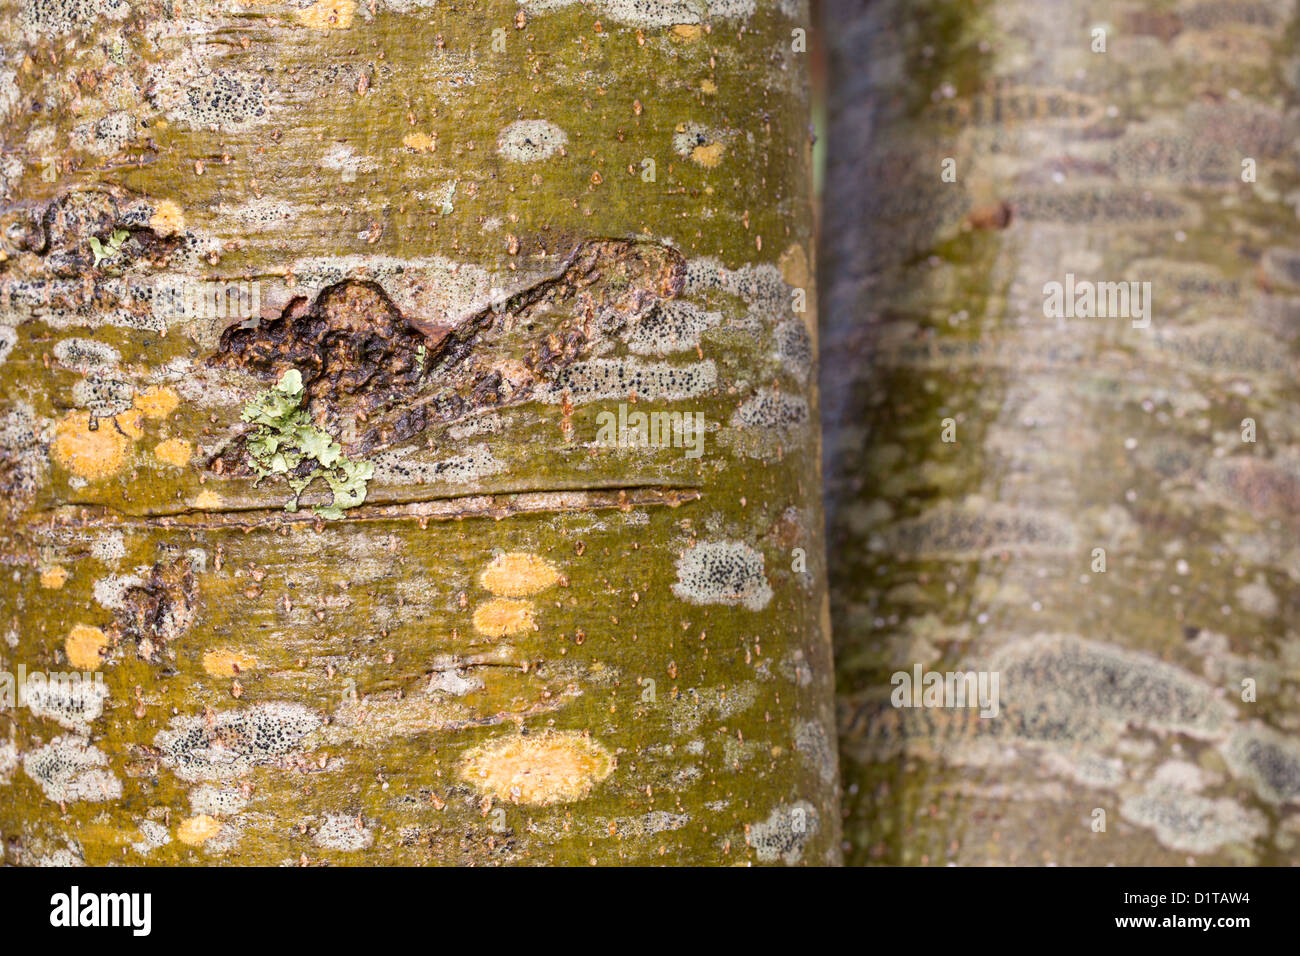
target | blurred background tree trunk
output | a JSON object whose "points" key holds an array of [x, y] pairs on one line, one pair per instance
{"points": [[1101, 511]]}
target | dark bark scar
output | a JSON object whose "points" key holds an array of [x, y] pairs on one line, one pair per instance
{"points": [[374, 377], [160, 609]]}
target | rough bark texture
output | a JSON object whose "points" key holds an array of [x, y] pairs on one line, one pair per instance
{"points": [[524, 646], [1121, 691]]}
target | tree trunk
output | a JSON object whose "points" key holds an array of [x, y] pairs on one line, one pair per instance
{"points": [[1099, 510], [425, 264]]}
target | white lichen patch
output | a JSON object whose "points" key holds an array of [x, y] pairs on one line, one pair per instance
{"points": [[107, 135], [217, 801], [8, 761], [1086, 768], [1058, 688], [86, 355], [694, 706], [672, 326], [24, 438], [152, 836], [8, 339], [541, 769], [69, 769], [978, 530], [233, 742], [1191, 823], [103, 396], [1180, 775], [225, 99], [108, 548], [655, 13], [61, 858], [53, 18], [72, 701], [762, 287], [814, 743], [346, 833], [605, 379], [784, 834], [1258, 598], [772, 411], [406, 466], [794, 348], [110, 591], [451, 680], [723, 572], [528, 141], [654, 822], [1266, 759], [342, 158], [388, 715]]}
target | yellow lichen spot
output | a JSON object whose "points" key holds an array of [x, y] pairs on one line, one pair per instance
{"points": [[518, 573], [688, 31], [84, 645], [709, 155], [173, 451], [228, 663], [167, 218], [553, 767], [502, 617], [156, 402], [54, 577], [708, 86], [208, 501], [328, 14], [196, 830], [421, 142], [91, 453]]}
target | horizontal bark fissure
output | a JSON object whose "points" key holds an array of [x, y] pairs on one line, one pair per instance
{"points": [[488, 504]]}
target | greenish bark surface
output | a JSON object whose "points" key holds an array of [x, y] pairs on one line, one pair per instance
{"points": [[474, 229], [1158, 695]]}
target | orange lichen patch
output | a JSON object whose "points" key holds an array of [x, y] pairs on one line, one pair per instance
{"points": [[91, 453], [228, 663], [421, 142], [518, 574], [688, 31], [553, 767], [208, 501], [158, 401], [196, 830], [131, 422], [174, 451], [84, 646], [54, 577], [502, 617], [167, 218], [709, 155], [328, 14]]}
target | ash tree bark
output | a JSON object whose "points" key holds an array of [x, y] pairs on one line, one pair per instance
{"points": [[408, 440], [1062, 429]]}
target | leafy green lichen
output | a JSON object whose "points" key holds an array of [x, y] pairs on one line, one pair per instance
{"points": [[285, 442], [112, 248]]}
